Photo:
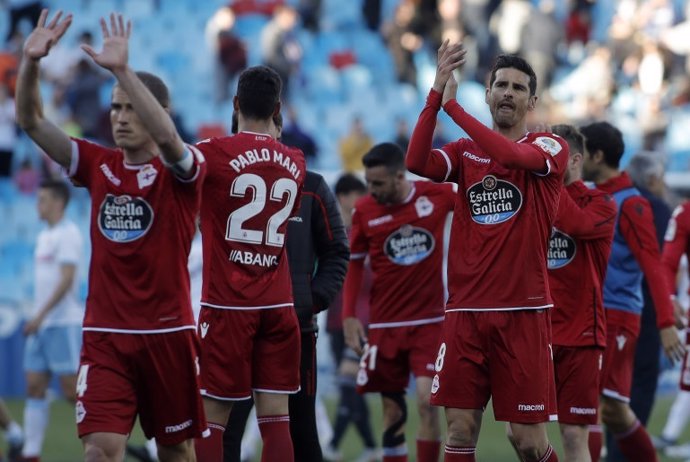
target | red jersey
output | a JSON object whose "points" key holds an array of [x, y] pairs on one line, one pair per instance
{"points": [[142, 226], [507, 202], [577, 259], [253, 186], [677, 243], [405, 246]]}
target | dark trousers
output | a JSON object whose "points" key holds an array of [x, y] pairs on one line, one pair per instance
{"points": [[645, 375], [305, 438]]}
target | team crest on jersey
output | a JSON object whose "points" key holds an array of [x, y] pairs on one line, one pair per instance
{"points": [[423, 206], [409, 245], [124, 218], [493, 201], [561, 251], [80, 411], [146, 176], [435, 385]]}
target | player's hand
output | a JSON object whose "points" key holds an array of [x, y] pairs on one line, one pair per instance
{"points": [[679, 315], [354, 334], [673, 347], [115, 51], [38, 43], [450, 57], [450, 91], [32, 326]]}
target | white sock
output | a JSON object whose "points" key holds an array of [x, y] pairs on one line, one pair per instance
{"points": [[152, 448], [14, 433], [35, 423], [251, 437], [677, 416], [323, 423]]}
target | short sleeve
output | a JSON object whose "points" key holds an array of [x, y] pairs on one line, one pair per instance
{"points": [[70, 248], [85, 157], [554, 150]]}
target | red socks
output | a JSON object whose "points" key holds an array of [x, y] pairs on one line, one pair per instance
{"points": [[210, 448], [550, 455], [427, 451], [275, 433], [636, 445], [596, 440], [458, 454]]}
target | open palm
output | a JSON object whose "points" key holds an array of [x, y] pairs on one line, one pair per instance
{"points": [[115, 44], [43, 37]]}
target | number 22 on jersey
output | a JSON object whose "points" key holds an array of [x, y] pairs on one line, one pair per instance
{"points": [[254, 184]]}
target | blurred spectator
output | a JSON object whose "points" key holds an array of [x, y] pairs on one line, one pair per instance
{"points": [[403, 40], [354, 145], [59, 66], [83, 96], [293, 135], [310, 11], [475, 17], [439, 138], [8, 131], [371, 11], [9, 65], [22, 9], [402, 133], [507, 23], [578, 25], [279, 45], [540, 38], [230, 51], [27, 178]]}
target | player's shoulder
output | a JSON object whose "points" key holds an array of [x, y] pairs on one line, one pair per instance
{"points": [[430, 188], [548, 142], [365, 204], [91, 148]]}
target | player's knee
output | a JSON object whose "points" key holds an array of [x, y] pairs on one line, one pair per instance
{"points": [[613, 413], [574, 435], [529, 450], [462, 432], [35, 390], [396, 416], [95, 453]]}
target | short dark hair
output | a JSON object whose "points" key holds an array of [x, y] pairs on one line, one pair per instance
{"points": [[604, 137], [389, 155], [156, 86], [349, 182], [570, 133], [515, 62], [258, 92], [58, 188]]}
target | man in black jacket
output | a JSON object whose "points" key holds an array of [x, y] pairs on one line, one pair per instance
{"points": [[318, 253]]}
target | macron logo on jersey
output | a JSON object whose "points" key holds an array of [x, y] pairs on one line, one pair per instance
{"points": [[531, 407], [109, 175], [380, 220], [476, 158]]}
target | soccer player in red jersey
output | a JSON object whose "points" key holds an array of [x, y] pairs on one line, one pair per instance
{"points": [[578, 253], [496, 339], [634, 253], [400, 226], [677, 243], [249, 333], [138, 327]]}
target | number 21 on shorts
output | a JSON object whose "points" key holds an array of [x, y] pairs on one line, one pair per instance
{"points": [[368, 362]]}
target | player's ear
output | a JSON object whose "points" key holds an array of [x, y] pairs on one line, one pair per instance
{"points": [[532, 103], [236, 103], [276, 111]]}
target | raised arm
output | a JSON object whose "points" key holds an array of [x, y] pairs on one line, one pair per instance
{"points": [[156, 119], [46, 134], [421, 159]]}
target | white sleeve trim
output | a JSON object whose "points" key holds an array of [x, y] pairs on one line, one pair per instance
{"points": [[74, 159], [548, 169], [448, 164], [199, 160], [358, 256]]}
